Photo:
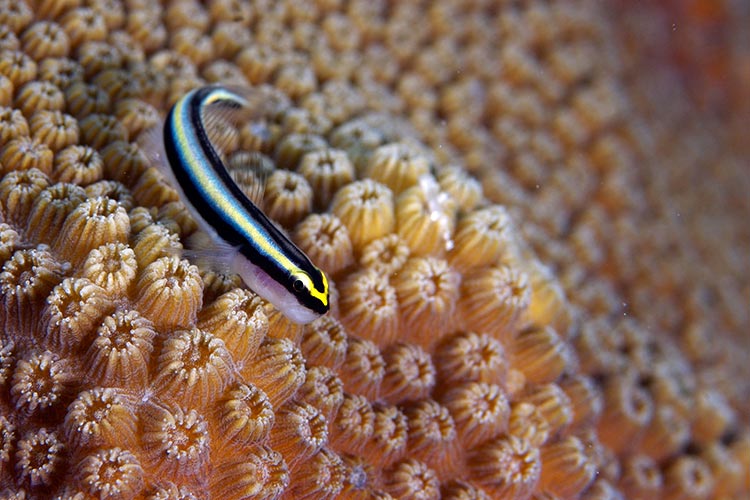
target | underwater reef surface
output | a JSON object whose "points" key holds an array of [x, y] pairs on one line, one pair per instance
{"points": [[532, 215]]}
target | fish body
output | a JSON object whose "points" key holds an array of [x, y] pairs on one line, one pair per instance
{"points": [[242, 237]]}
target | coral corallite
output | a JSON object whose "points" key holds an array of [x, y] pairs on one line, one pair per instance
{"points": [[532, 216]]}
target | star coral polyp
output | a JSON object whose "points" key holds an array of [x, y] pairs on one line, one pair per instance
{"points": [[532, 216]]}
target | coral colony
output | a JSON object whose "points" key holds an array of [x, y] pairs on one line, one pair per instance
{"points": [[536, 248]]}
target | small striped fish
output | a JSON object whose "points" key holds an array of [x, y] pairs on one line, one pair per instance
{"points": [[242, 238]]}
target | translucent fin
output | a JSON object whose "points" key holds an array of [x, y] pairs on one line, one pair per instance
{"points": [[240, 106], [261, 102], [172, 251], [224, 136], [151, 142], [233, 108], [210, 252], [250, 171]]}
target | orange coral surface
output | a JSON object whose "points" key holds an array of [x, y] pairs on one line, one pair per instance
{"points": [[532, 214]]}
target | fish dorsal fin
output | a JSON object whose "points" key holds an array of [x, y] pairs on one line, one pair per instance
{"points": [[226, 110], [219, 121], [250, 171], [239, 105]]}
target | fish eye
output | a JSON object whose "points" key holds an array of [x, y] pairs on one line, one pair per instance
{"points": [[298, 285]]}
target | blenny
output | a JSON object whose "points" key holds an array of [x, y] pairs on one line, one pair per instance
{"points": [[241, 237]]}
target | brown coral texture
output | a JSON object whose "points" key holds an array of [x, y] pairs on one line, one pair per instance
{"points": [[532, 217]]}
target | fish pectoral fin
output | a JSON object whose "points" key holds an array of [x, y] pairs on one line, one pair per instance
{"points": [[151, 142], [206, 251]]}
